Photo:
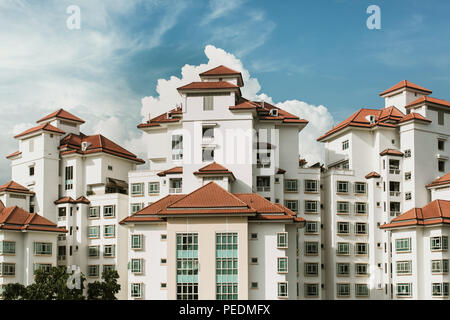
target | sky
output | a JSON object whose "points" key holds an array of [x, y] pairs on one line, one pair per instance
{"points": [[316, 59]]}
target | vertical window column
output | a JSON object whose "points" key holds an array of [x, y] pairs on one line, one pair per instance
{"points": [[227, 266]]}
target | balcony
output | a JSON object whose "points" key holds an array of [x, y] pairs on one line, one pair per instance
{"points": [[62, 218], [263, 188], [61, 257], [175, 190], [394, 170], [395, 193], [62, 237], [394, 213]]}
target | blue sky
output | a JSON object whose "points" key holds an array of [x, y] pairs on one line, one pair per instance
{"points": [[317, 52]]}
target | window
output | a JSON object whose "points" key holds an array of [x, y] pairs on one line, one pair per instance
{"points": [[42, 248], [109, 211], [343, 207], [137, 189], [441, 144], [408, 196], [282, 289], [262, 184], [407, 176], [163, 237], [254, 285], [7, 247], [404, 289], [7, 269], [94, 251], [404, 267], [93, 271], [109, 251], [208, 103], [153, 187], [360, 188], [441, 165], [441, 118], [343, 269], [254, 260], [343, 248], [253, 236], [94, 212], [345, 145], [109, 267], [136, 290], [135, 207], [311, 248], [408, 153], [343, 289], [187, 266], [361, 248], [311, 206], [311, 227], [282, 240], [439, 289], [311, 269], [177, 147], [42, 266], [175, 185], [207, 154], [109, 231], [110, 168], [68, 182], [439, 243], [263, 159], [291, 205], [311, 186], [282, 264], [31, 170], [360, 208], [311, 290], [291, 185], [361, 228], [361, 269], [136, 241], [361, 290], [439, 266], [342, 186], [93, 232], [136, 265], [343, 228], [403, 245], [208, 132]]}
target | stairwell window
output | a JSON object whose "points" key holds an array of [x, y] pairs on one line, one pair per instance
{"points": [[441, 118], [441, 144], [208, 103], [441, 165], [68, 182], [31, 171]]}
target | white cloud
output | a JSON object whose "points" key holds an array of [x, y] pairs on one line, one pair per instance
{"points": [[320, 120], [220, 8]]}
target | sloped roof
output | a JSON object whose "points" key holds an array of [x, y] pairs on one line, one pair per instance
{"points": [[61, 114], [214, 169], [425, 99], [15, 218], [174, 170], [414, 116], [405, 84], [43, 127], [436, 212], [220, 70], [96, 143], [14, 187], [391, 152], [163, 118], [208, 85], [64, 200], [373, 174], [14, 154], [445, 179]]}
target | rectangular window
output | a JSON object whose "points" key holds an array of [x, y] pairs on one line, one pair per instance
{"points": [[311, 290], [439, 266], [177, 147], [94, 212], [31, 171], [343, 207], [311, 248], [343, 289], [7, 269], [208, 132], [137, 189], [361, 228], [153, 188], [311, 269], [282, 289], [42, 266], [343, 248], [361, 248], [342, 186], [68, 182], [441, 118], [208, 103], [439, 289], [404, 289], [311, 186], [404, 267], [136, 266], [345, 145], [109, 231], [109, 211], [207, 154], [136, 290], [439, 243], [403, 245], [441, 144], [282, 265], [311, 227], [262, 184], [311, 206], [42, 248], [282, 240], [291, 205], [109, 251], [137, 241], [343, 228], [187, 266], [291, 185], [361, 269], [360, 208], [360, 188], [441, 165], [93, 232], [93, 271], [361, 290], [7, 247], [94, 251], [343, 269]]}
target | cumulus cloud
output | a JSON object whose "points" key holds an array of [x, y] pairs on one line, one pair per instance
{"points": [[320, 120]]}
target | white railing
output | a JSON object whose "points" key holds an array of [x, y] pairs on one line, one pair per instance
{"points": [[61, 257], [263, 189], [62, 238], [62, 218], [394, 170], [394, 213], [395, 193], [175, 190]]}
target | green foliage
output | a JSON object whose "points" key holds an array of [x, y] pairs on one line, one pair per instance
{"points": [[14, 291], [105, 290]]}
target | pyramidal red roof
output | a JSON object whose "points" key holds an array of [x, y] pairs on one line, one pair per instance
{"points": [[13, 186], [406, 84], [44, 127], [61, 114], [414, 116], [220, 70], [213, 168], [424, 99], [445, 179], [210, 85], [436, 212], [174, 170], [15, 218], [163, 118]]}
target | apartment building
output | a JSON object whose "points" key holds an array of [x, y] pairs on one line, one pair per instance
{"points": [[221, 212], [79, 182], [380, 163]]}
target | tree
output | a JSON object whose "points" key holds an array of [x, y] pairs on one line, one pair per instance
{"points": [[14, 291], [105, 290]]}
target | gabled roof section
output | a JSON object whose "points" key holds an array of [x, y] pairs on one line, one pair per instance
{"points": [[436, 212], [373, 174], [43, 127], [15, 218], [95, 144], [428, 100], [172, 116], [444, 180], [405, 84], [174, 170], [14, 187], [214, 169], [61, 114], [413, 116], [65, 200], [391, 152], [220, 70]]}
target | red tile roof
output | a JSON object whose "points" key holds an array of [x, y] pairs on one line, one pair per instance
{"points": [[423, 100], [14, 154], [245, 105], [44, 127], [163, 118], [214, 169], [208, 85], [386, 117], [391, 152], [405, 84], [2, 206], [373, 174], [15, 188], [414, 116], [436, 212], [15, 218], [175, 170], [61, 114], [281, 171], [220, 70], [445, 179], [96, 143], [81, 199]]}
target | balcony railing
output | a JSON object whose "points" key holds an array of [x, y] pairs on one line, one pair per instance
{"points": [[175, 190], [62, 218], [394, 213], [263, 164], [62, 238], [395, 193], [263, 188], [61, 257]]}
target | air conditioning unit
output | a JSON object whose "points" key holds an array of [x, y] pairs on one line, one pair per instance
{"points": [[273, 112]]}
